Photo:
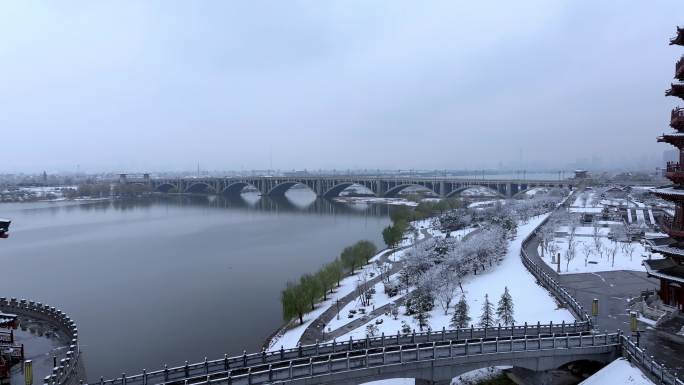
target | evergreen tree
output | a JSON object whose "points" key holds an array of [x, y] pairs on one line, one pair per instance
{"points": [[422, 318], [505, 309], [460, 319], [487, 317]]}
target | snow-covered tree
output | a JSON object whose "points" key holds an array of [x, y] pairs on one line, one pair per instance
{"points": [[487, 317], [372, 330], [505, 309], [447, 283], [460, 319]]}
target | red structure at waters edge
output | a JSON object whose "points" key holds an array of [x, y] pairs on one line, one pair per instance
{"points": [[670, 271]]}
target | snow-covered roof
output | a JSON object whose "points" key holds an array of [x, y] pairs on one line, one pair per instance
{"points": [[666, 269], [618, 372], [668, 250], [669, 191]]}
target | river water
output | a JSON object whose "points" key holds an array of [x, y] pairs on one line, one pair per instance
{"points": [[167, 279]]}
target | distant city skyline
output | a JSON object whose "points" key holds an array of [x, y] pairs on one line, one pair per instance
{"points": [[137, 86]]}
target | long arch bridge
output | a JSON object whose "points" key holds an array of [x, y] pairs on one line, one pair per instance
{"points": [[331, 186]]}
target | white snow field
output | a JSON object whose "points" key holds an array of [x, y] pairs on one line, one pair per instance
{"points": [[532, 303], [597, 262], [618, 372]]}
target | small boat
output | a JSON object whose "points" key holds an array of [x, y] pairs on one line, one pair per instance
{"points": [[4, 227]]}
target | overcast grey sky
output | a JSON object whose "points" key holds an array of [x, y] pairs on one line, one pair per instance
{"points": [[162, 85]]}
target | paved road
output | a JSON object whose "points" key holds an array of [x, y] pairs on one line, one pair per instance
{"points": [[614, 289]]}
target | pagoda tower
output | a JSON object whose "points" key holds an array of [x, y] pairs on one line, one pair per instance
{"points": [[670, 270]]}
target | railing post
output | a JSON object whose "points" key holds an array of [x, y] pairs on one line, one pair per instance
{"points": [[166, 373], [485, 331], [317, 344], [471, 331], [383, 339], [451, 348], [186, 369], [413, 337], [457, 329], [525, 330], [144, 377], [310, 366], [206, 363], [225, 361], [554, 340], [466, 347], [350, 343], [563, 326], [443, 332], [498, 331]]}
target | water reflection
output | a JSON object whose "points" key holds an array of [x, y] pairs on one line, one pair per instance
{"points": [[297, 202]]}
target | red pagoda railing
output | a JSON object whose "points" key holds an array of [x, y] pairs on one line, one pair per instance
{"points": [[674, 167], [668, 225], [677, 117], [679, 69]]}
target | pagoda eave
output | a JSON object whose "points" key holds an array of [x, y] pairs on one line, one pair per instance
{"points": [[665, 269], [676, 89], [675, 139], [679, 39], [670, 193]]}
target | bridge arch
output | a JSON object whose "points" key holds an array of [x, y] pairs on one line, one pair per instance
{"points": [[395, 190], [337, 189], [282, 187], [457, 192], [166, 187], [234, 188], [199, 188], [522, 193]]}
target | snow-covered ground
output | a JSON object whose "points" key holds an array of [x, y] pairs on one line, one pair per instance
{"points": [[595, 261], [618, 372], [532, 303], [375, 200]]}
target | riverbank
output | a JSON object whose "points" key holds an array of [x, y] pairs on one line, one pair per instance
{"points": [[347, 315]]}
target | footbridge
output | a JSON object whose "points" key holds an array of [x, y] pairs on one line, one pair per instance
{"points": [[330, 186]]}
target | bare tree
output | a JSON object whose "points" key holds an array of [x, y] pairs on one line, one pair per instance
{"points": [[587, 250], [613, 251], [570, 253]]}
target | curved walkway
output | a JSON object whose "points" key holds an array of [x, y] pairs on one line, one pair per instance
{"points": [[44, 328]]}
